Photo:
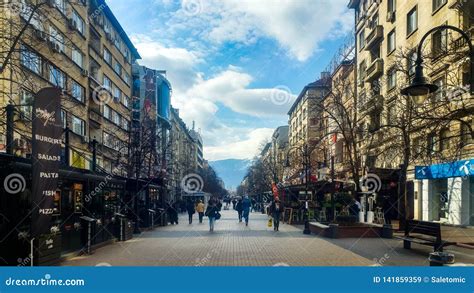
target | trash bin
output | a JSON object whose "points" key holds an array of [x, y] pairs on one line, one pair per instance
{"points": [[439, 259]]}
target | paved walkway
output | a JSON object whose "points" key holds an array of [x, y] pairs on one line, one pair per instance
{"points": [[231, 244]]}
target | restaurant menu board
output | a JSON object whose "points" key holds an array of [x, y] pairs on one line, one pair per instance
{"points": [[46, 144]]}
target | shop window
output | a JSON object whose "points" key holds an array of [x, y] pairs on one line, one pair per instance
{"points": [[78, 161]]}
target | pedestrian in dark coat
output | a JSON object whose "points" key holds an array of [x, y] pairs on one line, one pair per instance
{"points": [[239, 209], [212, 212], [191, 210], [246, 205], [276, 210]]}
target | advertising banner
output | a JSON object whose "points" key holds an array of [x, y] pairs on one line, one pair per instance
{"points": [[46, 157]]}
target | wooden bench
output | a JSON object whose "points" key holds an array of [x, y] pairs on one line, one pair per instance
{"points": [[424, 233]]}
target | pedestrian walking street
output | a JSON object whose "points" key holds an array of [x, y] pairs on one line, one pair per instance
{"points": [[234, 244]]}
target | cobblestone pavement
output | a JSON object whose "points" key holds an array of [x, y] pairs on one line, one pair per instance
{"points": [[231, 244]]}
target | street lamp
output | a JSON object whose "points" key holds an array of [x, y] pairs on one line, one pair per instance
{"points": [[306, 162], [420, 87]]}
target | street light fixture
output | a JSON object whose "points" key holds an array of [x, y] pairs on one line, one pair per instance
{"points": [[420, 87]]}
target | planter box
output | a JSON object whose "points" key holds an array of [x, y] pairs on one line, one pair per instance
{"points": [[337, 231]]}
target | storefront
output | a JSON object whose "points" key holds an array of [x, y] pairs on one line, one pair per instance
{"points": [[446, 192], [80, 193]]}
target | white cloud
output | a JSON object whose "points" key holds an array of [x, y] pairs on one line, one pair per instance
{"points": [[298, 26], [245, 148]]}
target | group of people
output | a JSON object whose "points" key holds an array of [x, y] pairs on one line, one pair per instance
{"points": [[243, 207]]}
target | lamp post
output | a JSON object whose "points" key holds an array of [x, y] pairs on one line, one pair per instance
{"points": [[306, 164], [420, 86]]}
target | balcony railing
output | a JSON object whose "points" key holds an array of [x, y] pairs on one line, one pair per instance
{"points": [[375, 70], [374, 37]]}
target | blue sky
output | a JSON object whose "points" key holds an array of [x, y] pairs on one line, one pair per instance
{"points": [[235, 66]]}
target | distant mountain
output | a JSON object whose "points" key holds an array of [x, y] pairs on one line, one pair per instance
{"points": [[232, 171]]}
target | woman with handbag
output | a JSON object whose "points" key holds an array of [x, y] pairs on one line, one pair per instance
{"points": [[213, 213]]}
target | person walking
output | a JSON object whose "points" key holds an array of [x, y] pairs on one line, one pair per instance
{"points": [[238, 208], [190, 209], [276, 209], [212, 212], [200, 210], [246, 205]]}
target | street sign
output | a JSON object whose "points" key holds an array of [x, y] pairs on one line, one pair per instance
{"points": [[463, 168]]}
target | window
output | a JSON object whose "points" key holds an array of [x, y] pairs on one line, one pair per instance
{"points": [[107, 84], [25, 13], [115, 118], [78, 126], [77, 57], [361, 40], [77, 91], [30, 60], [107, 56], [438, 3], [444, 139], [362, 72], [60, 5], [78, 22], [440, 93], [117, 68], [412, 62], [431, 145], [391, 79], [126, 77], [56, 38], [57, 77], [117, 93], [466, 137], [126, 101], [125, 124], [439, 42], [64, 118], [412, 21], [391, 43], [391, 114], [392, 5], [26, 102], [107, 112]]}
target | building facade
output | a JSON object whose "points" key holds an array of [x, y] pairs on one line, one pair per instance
{"points": [[387, 35]]}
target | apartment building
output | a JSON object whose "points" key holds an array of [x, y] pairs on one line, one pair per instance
{"points": [[199, 147], [279, 151], [184, 159], [387, 35]]}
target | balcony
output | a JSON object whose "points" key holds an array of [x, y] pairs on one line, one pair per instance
{"points": [[95, 117], [375, 70], [374, 37], [372, 103]]}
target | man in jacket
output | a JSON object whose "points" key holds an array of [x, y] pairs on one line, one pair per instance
{"points": [[276, 209], [200, 210], [246, 205]]}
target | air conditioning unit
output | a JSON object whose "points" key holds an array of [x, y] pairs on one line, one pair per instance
{"points": [[41, 35], [55, 47], [85, 72], [72, 24], [116, 99], [109, 36], [391, 16]]}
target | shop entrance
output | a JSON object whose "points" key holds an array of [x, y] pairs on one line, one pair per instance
{"points": [[440, 200]]}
